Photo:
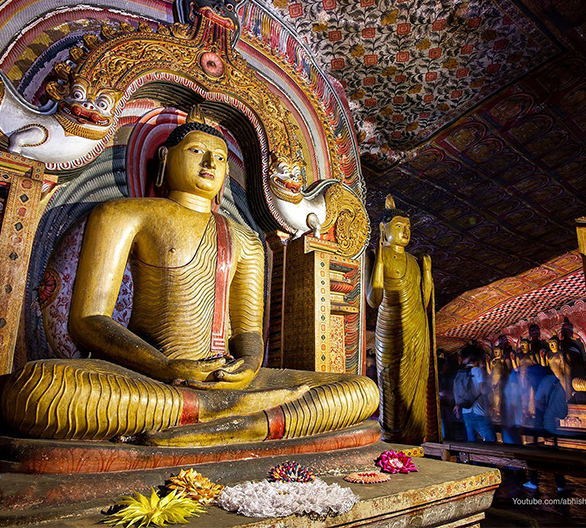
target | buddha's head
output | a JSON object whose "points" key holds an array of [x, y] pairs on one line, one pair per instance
{"points": [[396, 228], [554, 344], [524, 346], [497, 352], [395, 225], [196, 160]]}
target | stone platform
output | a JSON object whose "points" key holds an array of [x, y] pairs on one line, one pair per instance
{"points": [[29, 455], [440, 494]]}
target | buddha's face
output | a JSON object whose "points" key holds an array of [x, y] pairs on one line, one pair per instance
{"points": [[197, 164], [498, 353], [553, 346], [398, 231], [524, 347]]}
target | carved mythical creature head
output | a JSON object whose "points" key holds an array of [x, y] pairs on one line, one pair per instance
{"points": [[287, 180], [87, 111]]}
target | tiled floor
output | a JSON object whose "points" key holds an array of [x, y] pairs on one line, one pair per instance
{"points": [[515, 505]]}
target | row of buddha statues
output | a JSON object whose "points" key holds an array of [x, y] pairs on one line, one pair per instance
{"points": [[564, 359], [512, 391], [187, 370]]}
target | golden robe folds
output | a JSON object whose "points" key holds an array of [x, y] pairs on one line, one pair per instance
{"points": [[402, 342]]}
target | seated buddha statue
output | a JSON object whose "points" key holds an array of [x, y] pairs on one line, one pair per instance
{"points": [[187, 369]]}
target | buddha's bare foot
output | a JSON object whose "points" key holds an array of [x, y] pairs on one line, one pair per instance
{"points": [[221, 404], [231, 430]]}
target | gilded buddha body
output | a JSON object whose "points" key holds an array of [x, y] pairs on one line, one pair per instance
{"points": [[566, 364], [498, 370], [403, 296], [187, 370]]}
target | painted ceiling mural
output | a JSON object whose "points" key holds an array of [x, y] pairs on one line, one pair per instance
{"points": [[472, 114], [488, 312], [410, 66]]}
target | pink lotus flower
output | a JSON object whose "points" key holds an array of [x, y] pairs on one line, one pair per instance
{"points": [[391, 462]]}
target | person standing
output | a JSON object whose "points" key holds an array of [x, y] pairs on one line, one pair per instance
{"points": [[471, 396]]}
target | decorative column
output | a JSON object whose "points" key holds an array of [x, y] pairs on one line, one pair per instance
{"points": [[322, 292], [21, 182]]}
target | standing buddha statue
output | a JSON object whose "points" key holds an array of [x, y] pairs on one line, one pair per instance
{"points": [[498, 370], [403, 295], [565, 363], [521, 362]]}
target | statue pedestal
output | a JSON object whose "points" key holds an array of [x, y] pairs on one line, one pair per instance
{"points": [[440, 494]]}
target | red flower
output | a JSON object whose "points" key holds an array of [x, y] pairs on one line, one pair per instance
{"points": [[391, 462]]}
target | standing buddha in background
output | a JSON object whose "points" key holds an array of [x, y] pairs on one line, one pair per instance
{"points": [[565, 363], [498, 369], [403, 295], [187, 370], [521, 363]]}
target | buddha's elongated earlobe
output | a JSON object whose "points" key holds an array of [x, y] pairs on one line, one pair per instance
{"points": [[162, 164], [220, 195]]}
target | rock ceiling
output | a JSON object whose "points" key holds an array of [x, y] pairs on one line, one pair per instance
{"points": [[473, 114]]}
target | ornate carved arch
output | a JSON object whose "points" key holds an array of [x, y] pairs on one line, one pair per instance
{"points": [[201, 61]]}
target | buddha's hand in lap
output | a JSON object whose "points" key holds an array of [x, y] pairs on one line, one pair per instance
{"points": [[234, 374], [186, 371], [213, 373]]}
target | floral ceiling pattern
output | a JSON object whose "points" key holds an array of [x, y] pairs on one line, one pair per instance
{"points": [[473, 115], [409, 67]]}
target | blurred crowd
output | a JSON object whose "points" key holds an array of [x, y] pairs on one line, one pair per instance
{"points": [[510, 391], [510, 395]]}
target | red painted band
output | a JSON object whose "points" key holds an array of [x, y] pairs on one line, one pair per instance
{"points": [[223, 266], [276, 423], [190, 412]]}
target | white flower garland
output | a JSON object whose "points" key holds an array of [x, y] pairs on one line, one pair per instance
{"points": [[280, 499]]}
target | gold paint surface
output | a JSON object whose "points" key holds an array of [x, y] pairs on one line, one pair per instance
{"points": [[174, 250], [403, 294]]}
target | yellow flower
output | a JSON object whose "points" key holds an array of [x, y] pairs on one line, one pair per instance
{"points": [[138, 511], [450, 64], [357, 50], [195, 486], [423, 44], [357, 95], [322, 26]]}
